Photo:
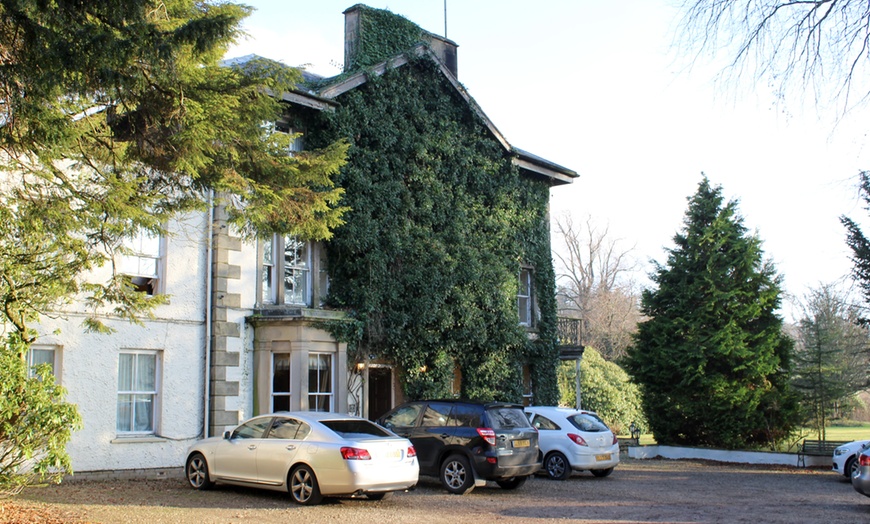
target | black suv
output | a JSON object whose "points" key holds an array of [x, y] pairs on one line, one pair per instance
{"points": [[466, 443]]}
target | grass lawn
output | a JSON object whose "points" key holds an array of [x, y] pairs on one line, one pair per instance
{"points": [[646, 439], [848, 433]]}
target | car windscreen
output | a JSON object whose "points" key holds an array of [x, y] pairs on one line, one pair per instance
{"points": [[355, 429], [507, 418], [588, 422]]}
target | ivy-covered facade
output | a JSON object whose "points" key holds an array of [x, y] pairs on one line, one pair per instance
{"points": [[443, 264], [439, 282]]}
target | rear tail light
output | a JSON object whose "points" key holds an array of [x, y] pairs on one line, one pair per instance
{"points": [[411, 452], [577, 439], [864, 459], [355, 454], [615, 440], [488, 435]]}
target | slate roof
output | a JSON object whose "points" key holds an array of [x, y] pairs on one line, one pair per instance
{"points": [[319, 92]]}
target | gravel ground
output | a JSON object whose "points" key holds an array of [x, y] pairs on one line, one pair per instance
{"points": [[648, 491]]}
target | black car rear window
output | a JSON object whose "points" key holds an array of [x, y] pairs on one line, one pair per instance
{"points": [[352, 429], [588, 422], [466, 416], [507, 418], [403, 416]]}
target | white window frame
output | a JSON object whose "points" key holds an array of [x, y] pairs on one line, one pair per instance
{"points": [[526, 297], [274, 267], [284, 394], [314, 389], [300, 268], [297, 142], [54, 362], [154, 394], [136, 262]]}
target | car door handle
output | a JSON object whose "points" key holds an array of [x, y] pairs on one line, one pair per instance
{"points": [[290, 447], [252, 447], [444, 435]]}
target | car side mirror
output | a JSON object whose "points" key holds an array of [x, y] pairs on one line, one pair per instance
{"points": [[227, 435]]}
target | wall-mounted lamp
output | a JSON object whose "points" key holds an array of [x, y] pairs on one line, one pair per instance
{"points": [[360, 365]]}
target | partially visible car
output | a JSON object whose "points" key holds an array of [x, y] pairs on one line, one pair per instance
{"points": [[310, 455], [574, 440], [861, 478], [845, 458], [465, 443]]}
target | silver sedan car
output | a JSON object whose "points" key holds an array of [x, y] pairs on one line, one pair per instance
{"points": [[861, 476], [310, 455]]}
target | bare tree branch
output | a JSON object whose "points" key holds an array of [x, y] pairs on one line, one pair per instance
{"points": [[595, 285], [818, 46]]}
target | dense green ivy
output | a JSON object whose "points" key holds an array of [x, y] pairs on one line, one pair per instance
{"points": [[382, 35], [441, 223]]}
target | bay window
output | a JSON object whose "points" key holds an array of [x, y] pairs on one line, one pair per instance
{"points": [[319, 382], [292, 272], [280, 382]]}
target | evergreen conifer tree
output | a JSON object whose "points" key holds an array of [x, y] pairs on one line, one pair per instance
{"points": [[831, 358], [116, 116], [858, 243], [712, 360]]}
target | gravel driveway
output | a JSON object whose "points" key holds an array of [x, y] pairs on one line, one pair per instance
{"points": [[638, 491]]}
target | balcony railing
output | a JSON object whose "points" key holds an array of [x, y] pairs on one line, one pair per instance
{"points": [[570, 337]]}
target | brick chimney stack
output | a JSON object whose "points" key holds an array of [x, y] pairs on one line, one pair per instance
{"points": [[443, 48]]}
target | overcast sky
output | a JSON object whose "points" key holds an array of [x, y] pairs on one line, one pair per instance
{"points": [[597, 87]]}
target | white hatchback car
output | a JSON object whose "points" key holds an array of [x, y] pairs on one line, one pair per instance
{"points": [[310, 455], [572, 440], [846, 457]]}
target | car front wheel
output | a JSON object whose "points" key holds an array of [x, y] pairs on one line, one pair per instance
{"points": [[197, 472], [303, 487], [456, 475], [851, 468], [557, 466]]}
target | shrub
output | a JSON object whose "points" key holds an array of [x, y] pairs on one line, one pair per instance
{"points": [[604, 388], [35, 422]]}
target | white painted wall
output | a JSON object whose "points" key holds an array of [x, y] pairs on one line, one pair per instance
{"points": [[719, 455], [90, 363]]}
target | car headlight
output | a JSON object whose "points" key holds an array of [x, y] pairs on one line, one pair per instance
{"points": [[840, 451]]}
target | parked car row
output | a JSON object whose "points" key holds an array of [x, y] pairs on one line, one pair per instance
{"points": [[861, 472], [309, 455], [846, 457], [462, 443], [852, 460], [573, 440]]}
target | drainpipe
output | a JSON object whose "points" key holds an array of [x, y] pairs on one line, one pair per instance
{"points": [[208, 307]]}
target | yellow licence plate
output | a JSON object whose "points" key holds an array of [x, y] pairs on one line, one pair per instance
{"points": [[522, 443], [603, 457]]}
